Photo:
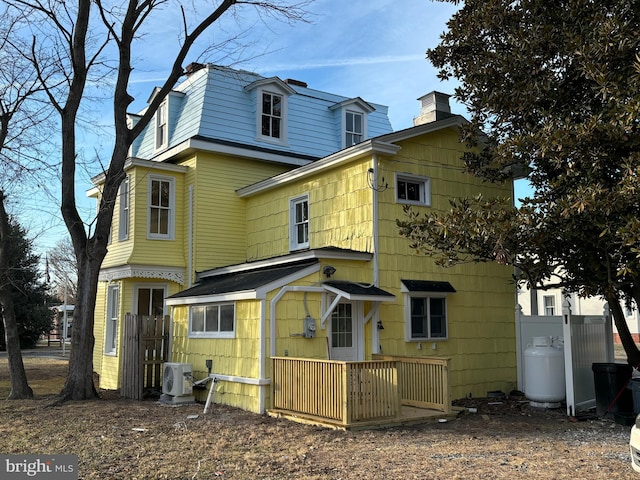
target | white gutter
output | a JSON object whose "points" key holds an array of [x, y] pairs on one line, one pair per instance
{"points": [[190, 239]]}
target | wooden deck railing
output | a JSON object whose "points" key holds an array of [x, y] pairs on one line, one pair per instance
{"points": [[343, 392], [424, 381]]}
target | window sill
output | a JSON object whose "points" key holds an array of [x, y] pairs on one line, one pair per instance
{"points": [[212, 335], [412, 202], [426, 339]]}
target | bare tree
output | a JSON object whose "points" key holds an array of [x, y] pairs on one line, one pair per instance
{"points": [[23, 118], [72, 30], [62, 270]]}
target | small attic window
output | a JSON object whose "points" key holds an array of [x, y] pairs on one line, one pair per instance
{"points": [[272, 102], [163, 118], [353, 114], [413, 189], [161, 131]]}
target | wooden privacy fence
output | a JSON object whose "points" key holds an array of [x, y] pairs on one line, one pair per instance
{"points": [[344, 392], [423, 381], [145, 348]]}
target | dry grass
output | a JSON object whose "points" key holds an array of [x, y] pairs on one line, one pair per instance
{"points": [[121, 439]]}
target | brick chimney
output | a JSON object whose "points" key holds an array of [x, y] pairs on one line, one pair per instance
{"points": [[434, 107], [193, 67], [299, 83]]}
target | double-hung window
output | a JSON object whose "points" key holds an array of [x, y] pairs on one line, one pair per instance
{"points": [[299, 223], [549, 302], [271, 125], [212, 321], [123, 225], [113, 307], [161, 126], [426, 309], [353, 128], [428, 317], [272, 104], [413, 189], [161, 209]]}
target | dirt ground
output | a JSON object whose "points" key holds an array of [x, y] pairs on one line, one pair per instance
{"points": [[122, 439]]}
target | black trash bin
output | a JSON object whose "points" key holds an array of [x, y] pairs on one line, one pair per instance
{"points": [[610, 381]]}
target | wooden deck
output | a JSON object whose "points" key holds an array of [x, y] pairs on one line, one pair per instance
{"points": [[407, 416], [382, 392]]}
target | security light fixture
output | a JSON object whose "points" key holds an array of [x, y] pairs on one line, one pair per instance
{"points": [[328, 271]]}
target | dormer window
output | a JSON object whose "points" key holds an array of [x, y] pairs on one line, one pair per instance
{"points": [[271, 115], [352, 117], [354, 128], [272, 101], [161, 126]]}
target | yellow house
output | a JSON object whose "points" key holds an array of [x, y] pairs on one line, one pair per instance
{"points": [[264, 241]]}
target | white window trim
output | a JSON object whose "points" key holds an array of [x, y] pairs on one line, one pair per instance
{"points": [[172, 208], [125, 210], [407, 315], [164, 107], [156, 286], [552, 306], [111, 328], [283, 140], [218, 334], [425, 189], [293, 244], [363, 114]]}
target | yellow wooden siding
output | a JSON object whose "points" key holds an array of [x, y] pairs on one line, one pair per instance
{"points": [[100, 315], [106, 366], [339, 213], [481, 326], [154, 251], [231, 356], [220, 223]]}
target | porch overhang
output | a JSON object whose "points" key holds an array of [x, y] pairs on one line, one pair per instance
{"points": [[354, 291], [243, 285]]}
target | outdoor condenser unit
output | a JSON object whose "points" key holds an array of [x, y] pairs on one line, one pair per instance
{"points": [[176, 379]]}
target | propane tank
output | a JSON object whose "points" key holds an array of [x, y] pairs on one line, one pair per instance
{"points": [[544, 378]]}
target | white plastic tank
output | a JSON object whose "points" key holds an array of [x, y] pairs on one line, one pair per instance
{"points": [[544, 380]]}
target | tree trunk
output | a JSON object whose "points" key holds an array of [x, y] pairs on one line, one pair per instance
{"points": [[629, 344], [20, 388], [79, 384]]}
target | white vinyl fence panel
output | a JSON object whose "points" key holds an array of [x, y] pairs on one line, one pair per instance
{"points": [[587, 340]]}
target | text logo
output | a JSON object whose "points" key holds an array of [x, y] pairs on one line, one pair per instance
{"points": [[49, 467]]}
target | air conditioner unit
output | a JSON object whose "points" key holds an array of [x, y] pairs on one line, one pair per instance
{"points": [[176, 379]]}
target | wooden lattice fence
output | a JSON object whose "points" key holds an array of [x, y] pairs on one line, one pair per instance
{"points": [[145, 349]]}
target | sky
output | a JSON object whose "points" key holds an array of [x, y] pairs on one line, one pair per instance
{"points": [[374, 49]]}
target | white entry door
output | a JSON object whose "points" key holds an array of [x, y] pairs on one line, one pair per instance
{"points": [[346, 333]]}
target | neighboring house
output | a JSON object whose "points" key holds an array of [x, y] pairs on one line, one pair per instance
{"points": [[63, 313], [549, 302], [260, 214]]}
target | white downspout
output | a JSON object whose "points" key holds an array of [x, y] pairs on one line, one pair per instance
{"points": [[190, 239], [375, 334], [374, 213], [262, 358]]}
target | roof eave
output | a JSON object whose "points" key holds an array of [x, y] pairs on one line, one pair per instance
{"points": [[368, 147]]}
